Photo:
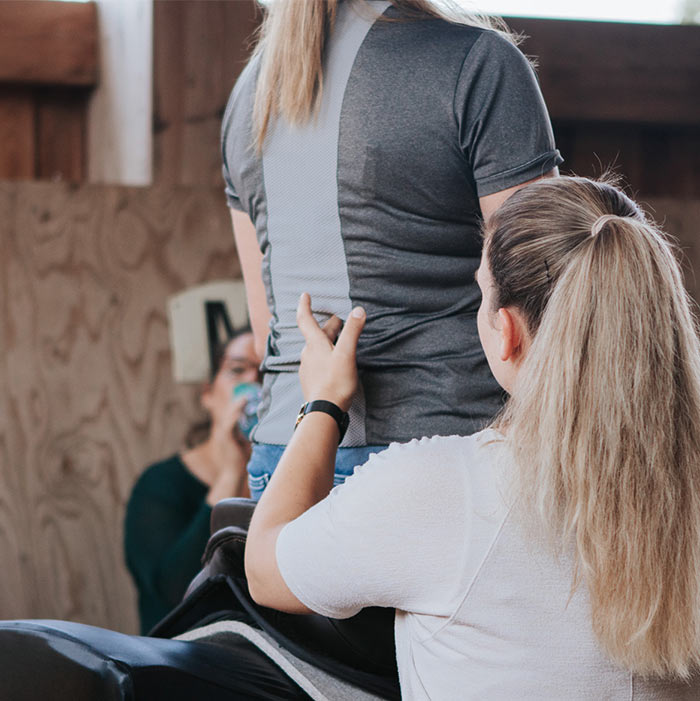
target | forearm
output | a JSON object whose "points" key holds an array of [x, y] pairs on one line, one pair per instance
{"points": [[250, 257], [303, 477], [304, 474], [228, 485]]}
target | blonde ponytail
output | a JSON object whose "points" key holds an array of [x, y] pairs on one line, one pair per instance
{"points": [[291, 48], [604, 419]]}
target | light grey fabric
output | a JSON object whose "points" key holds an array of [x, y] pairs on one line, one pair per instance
{"points": [[299, 166], [319, 685]]}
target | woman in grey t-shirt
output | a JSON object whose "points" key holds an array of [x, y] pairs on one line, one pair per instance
{"points": [[359, 159]]}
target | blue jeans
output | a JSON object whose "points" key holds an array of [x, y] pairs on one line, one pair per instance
{"points": [[265, 457]]}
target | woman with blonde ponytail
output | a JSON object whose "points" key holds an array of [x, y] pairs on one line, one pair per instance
{"points": [[556, 554], [362, 146], [603, 418]]}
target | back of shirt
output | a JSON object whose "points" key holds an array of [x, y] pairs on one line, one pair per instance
{"points": [[485, 609], [376, 202]]}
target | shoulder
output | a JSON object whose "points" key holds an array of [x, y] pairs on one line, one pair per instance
{"points": [[423, 452], [494, 49], [248, 77], [169, 466], [445, 42], [244, 89], [160, 476], [436, 465]]}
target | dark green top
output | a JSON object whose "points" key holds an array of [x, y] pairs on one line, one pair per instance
{"points": [[166, 530]]}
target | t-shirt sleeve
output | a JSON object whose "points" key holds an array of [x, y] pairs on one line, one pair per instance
{"points": [[372, 541], [504, 127], [237, 147]]}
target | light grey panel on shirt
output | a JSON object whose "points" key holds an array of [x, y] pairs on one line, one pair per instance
{"points": [[303, 226]]}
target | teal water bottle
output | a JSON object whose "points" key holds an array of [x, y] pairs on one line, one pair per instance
{"points": [[252, 391]]}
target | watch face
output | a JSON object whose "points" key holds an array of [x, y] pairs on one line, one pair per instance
{"points": [[300, 415]]}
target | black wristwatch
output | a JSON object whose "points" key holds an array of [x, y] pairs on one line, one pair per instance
{"points": [[341, 417]]}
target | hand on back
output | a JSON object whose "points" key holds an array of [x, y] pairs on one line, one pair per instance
{"points": [[328, 362]]}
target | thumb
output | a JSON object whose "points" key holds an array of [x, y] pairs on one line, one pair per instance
{"points": [[347, 341]]}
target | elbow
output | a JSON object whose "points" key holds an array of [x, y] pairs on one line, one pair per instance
{"points": [[259, 594], [266, 585], [257, 577], [260, 344], [256, 586]]}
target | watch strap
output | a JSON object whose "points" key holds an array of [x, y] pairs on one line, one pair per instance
{"points": [[341, 417]]}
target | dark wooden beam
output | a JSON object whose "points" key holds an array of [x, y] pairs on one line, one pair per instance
{"points": [[199, 48], [614, 72], [17, 147], [44, 42], [61, 116]]}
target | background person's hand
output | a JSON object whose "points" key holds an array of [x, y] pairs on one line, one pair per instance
{"points": [[231, 452], [328, 362], [231, 415]]}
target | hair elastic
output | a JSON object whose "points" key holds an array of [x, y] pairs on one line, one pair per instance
{"points": [[546, 269], [601, 221]]}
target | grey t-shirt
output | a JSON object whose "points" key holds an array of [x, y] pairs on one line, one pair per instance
{"points": [[375, 203]]}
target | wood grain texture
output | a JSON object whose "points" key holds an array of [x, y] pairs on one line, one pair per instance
{"points": [[610, 71], [86, 394], [48, 42], [199, 50]]}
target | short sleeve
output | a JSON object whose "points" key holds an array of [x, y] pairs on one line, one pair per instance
{"points": [[372, 541], [227, 129], [504, 127], [237, 148]]}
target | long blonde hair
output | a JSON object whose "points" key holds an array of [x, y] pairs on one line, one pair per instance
{"points": [[291, 48], [604, 420]]}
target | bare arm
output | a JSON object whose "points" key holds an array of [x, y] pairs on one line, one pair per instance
{"points": [[251, 264], [304, 475], [490, 203]]}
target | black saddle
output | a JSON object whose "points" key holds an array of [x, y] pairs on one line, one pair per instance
{"points": [[62, 660]]}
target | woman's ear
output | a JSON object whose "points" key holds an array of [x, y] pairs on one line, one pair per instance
{"points": [[512, 333]]}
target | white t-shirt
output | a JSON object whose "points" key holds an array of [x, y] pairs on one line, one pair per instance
{"points": [[483, 612]]}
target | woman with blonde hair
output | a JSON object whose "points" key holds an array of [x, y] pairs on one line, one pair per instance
{"points": [[362, 146], [555, 554]]}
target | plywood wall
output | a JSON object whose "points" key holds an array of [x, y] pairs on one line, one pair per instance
{"points": [[86, 395]]}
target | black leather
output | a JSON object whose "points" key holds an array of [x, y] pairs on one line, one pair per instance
{"points": [[360, 649], [231, 512], [64, 661]]}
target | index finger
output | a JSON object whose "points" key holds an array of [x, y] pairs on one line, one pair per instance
{"points": [[305, 320], [350, 335]]}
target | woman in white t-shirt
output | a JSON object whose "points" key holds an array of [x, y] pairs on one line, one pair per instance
{"points": [[555, 555]]}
